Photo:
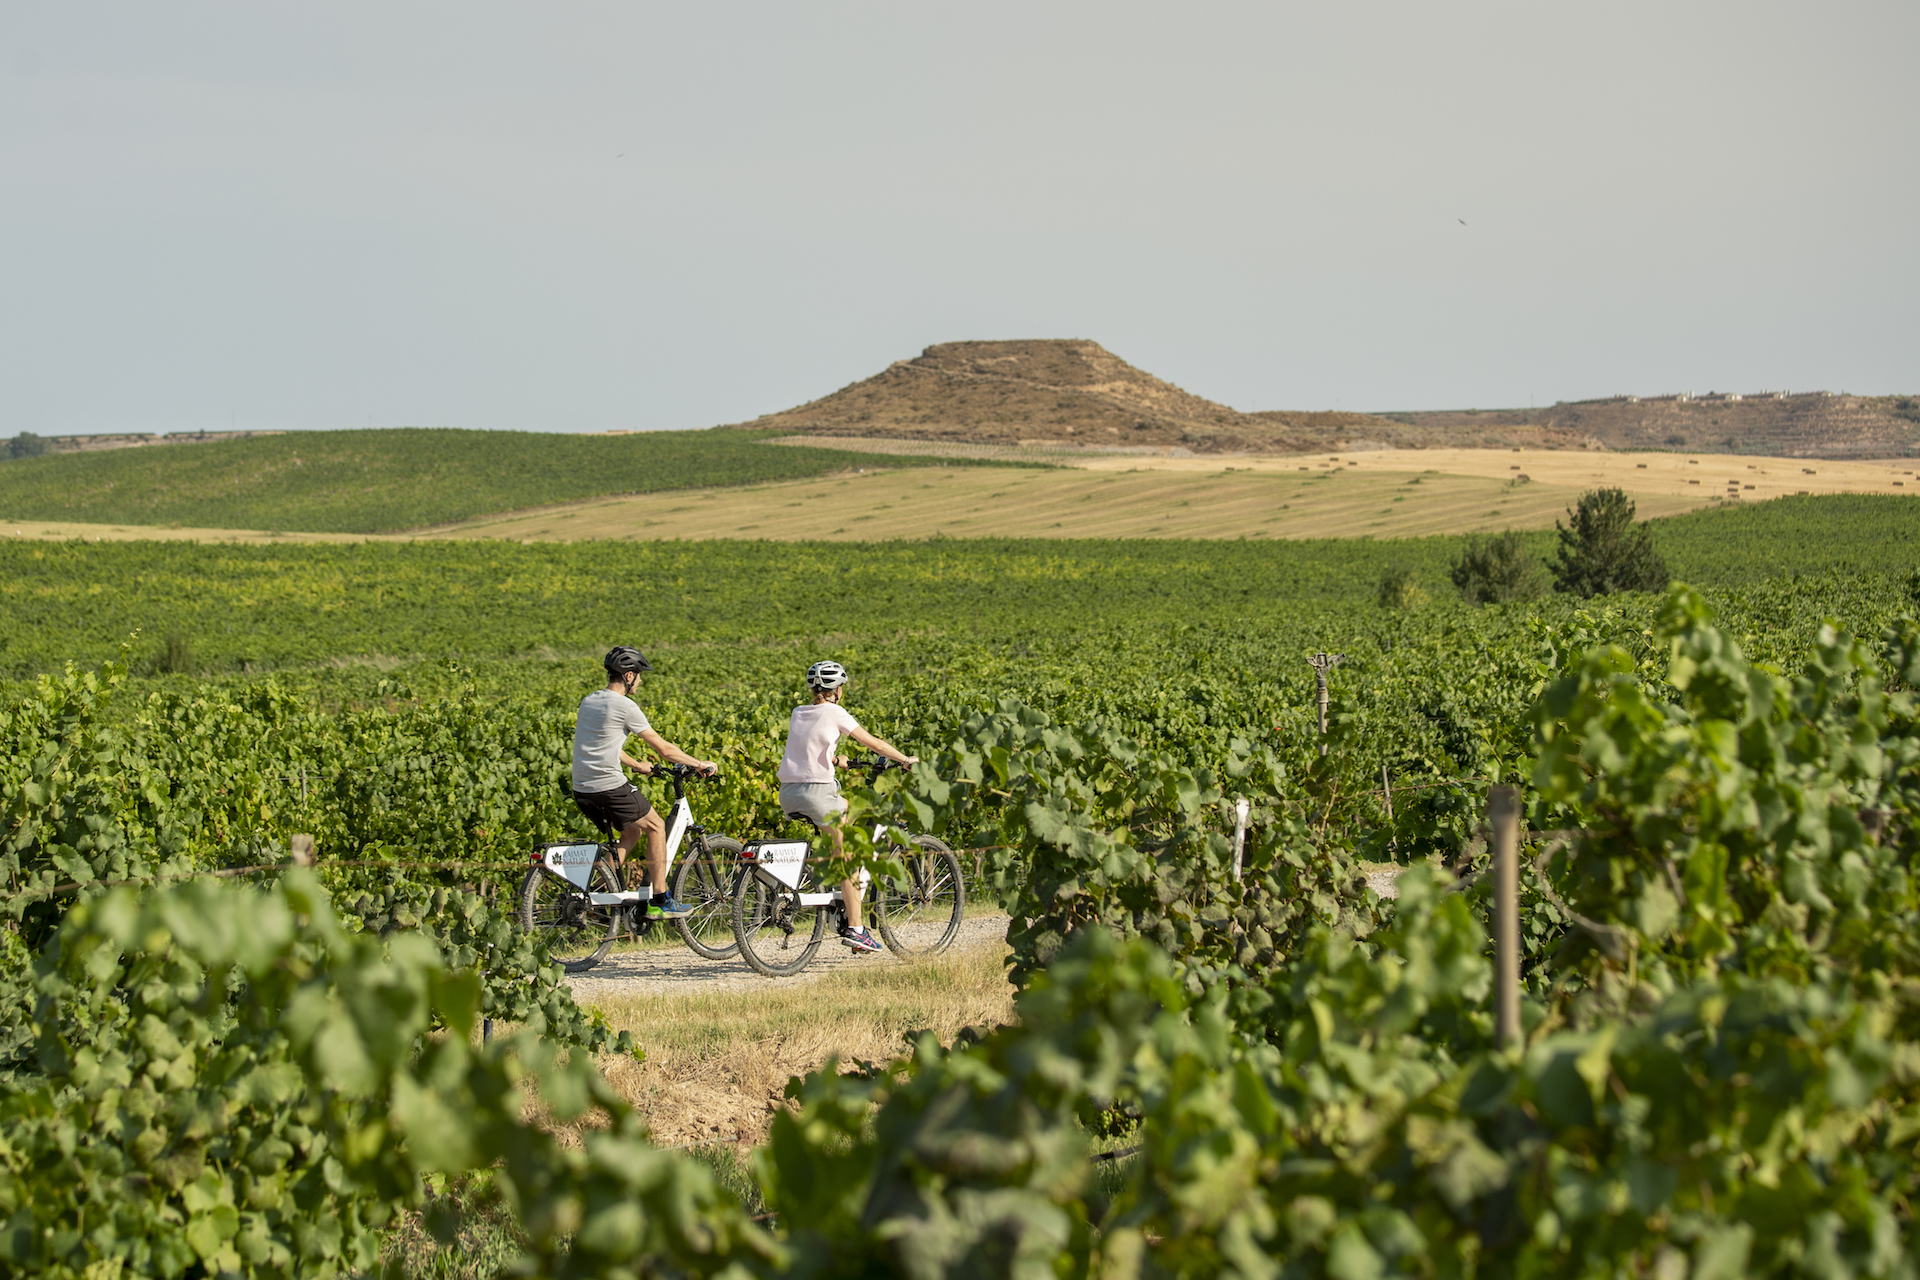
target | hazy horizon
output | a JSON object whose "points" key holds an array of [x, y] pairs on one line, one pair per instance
{"points": [[643, 217]]}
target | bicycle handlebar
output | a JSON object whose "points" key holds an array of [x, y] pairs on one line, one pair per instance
{"points": [[681, 772]]}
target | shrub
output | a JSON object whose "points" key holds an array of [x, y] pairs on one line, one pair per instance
{"points": [[1495, 570], [176, 656], [27, 445], [1603, 551], [1399, 589]]}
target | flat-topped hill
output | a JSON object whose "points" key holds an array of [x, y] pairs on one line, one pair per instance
{"points": [[1072, 391], [1075, 392]]}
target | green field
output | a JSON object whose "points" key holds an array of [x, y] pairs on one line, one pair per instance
{"points": [[382, 481]]}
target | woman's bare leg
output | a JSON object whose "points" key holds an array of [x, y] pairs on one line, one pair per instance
{"points": [[850, 887]]}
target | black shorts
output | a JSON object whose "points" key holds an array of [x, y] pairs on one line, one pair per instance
{"points": [[612, 811]]}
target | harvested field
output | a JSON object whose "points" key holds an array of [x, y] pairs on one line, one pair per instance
{"points": [[1381, 494]]}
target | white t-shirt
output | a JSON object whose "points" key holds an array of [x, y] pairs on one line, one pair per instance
{"points": [[811, 737], [606, 720]]}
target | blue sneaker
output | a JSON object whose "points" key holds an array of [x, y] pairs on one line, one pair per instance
{"points": [[862, 942], [664, 907]]}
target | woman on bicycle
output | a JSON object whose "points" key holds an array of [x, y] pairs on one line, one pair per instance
{"points": [[808, 787]]}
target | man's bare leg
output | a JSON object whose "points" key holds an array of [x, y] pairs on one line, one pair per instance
{"points": [[656, 853], [656, 833]]}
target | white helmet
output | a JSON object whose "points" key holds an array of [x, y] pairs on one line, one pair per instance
{"points": [[826, 675]]}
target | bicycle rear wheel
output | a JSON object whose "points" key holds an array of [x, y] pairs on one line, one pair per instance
{"points": [[920, 914], [777, 935], [705, 881], [580, 933]]}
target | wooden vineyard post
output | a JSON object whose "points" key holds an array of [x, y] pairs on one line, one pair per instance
{"points": [[1503, 816], [1386, 789], [1321, 664], [1241, 808]]}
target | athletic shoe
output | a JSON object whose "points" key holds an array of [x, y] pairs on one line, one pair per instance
{"points": [[665, 908], [860, 940]]}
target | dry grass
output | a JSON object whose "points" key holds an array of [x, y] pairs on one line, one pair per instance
{"points": [[1396, 493], [717, 1062], [1149, 501]]}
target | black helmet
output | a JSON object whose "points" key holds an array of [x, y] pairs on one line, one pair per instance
{"points": [[624, 658]]}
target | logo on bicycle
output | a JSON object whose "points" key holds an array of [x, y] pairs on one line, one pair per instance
{"points": [[573, 855], [784, 853]]}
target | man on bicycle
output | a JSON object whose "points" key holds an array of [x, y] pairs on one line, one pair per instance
{"points": [[607, 718], [808, 787]]}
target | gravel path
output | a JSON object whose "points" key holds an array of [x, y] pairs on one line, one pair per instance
{"points": [[677, 971]]}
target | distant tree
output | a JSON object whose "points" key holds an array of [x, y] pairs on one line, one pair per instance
{"points": [[1603, 551], [27, 445], [1399, 589], [1496, 570]]}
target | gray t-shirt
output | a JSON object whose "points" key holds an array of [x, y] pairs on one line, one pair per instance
{"points": [[606, 720]]}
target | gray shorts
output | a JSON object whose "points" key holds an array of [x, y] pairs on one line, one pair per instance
{"points": [[815, 800]]}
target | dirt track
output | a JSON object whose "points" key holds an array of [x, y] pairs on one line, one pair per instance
{"points": [[675, 970]]}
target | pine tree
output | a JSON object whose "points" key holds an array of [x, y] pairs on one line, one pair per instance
{"points": [[1603, 551], [1496, 570]]}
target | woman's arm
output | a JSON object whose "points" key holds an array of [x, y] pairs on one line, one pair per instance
{"points": [[880, 745]]}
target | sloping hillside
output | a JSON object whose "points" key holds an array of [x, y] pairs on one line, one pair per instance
{"points": [[1077, 392], [396, 478]]}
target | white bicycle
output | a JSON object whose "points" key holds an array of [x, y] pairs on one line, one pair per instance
{"points": [[780, 912], [576, 890]]}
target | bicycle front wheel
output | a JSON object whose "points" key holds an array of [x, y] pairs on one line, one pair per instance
{"points": [[579, 932], [919, 914], [778, 936], [705, 882]]}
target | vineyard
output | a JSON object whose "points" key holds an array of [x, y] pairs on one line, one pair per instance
{"points": [[251, 609], [1240, 1063]]}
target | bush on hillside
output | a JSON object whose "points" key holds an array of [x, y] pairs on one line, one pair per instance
{"points": [[1603, 551], [1399, 589], [26, 445], [1495, 570]]}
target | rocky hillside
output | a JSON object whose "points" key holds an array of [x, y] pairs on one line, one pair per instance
{"points": [[1811, 425], [1070, 391]]}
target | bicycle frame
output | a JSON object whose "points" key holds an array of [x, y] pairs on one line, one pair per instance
{"points": [[786, 860], [574, 862]]}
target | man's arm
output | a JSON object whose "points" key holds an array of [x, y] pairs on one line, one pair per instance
{"points": [[675, 754], [640, 767]]}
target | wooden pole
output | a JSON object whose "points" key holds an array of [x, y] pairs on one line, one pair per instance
{"points": [[1321, 664], [1503, 816], [1386, 789], [1241, 808]]}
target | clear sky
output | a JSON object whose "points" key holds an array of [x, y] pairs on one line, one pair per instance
{"points": [[580, 216]]}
